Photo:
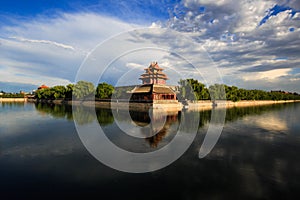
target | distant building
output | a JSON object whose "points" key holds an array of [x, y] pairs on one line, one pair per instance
{"points": [[43, 87], [153, 86]]}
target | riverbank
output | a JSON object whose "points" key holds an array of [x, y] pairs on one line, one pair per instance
{"points": [[189, 105], [207, 105], [122, 105], [13, 99]]}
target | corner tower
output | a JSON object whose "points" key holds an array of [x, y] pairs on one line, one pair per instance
{"points": [[154, 75]]}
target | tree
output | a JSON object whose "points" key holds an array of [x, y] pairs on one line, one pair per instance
{"points": [[69, 91], [217, 92], [184, 88], [45, 93], [192, 89], [83, 90], [59, 92], [104, 91], [189, 89]]}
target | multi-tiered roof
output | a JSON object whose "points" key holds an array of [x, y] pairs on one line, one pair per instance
{"points": [[154, 75]]}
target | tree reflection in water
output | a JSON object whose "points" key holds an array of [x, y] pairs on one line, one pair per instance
{"points": [[161, 124], [104, 116], [55, 110], [84, 114]]}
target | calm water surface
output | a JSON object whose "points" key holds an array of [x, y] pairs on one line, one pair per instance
{"points": [[256, 157]]}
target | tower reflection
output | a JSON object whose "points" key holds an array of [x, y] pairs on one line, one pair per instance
{"points": [[157, 124]]}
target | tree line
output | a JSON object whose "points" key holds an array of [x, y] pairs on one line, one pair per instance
{"points": [[194, 90], [189, 89], [81, 90], [12, 95]]}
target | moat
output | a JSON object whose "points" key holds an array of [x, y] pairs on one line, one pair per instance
{"points": [[256, 155]]}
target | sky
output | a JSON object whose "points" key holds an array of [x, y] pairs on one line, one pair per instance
{"points": [[250, 44]]}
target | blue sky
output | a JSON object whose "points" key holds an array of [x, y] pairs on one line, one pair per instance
{"points": [[134, 11], [253, 44]]}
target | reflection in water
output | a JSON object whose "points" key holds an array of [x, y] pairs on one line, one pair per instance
{"points": [[56, 111], [140, 118], [236, 113], [258, 154], [154, 140], [268, 122], [84, 114], [105, 116], [46, 157], [133, 129], [160, 122], [155, 130], [12, 104]]}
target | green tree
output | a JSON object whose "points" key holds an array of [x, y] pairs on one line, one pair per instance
{"points": [[45, 93], [83, 90], [192, 89], [59, 92], [189, 89], [217, 92], [69, 91], [104, 91]]}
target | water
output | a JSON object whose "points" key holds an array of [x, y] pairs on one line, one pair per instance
{"points": [[257, 155]]}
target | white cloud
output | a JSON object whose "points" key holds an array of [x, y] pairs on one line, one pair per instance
{"points": [[50, 51], [250, 14], [267, 75], [134, 65], [17, 76], [243, 49], [188, 3], [44, 42], [228, 30]]}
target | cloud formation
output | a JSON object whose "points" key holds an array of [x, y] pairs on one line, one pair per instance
{"points": [[49, 51], [44, 42], [246, 38], [255, 44]]}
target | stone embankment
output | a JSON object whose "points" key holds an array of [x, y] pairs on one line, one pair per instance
{"points": [[13, 99], [206, 105], [189, 105]]}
